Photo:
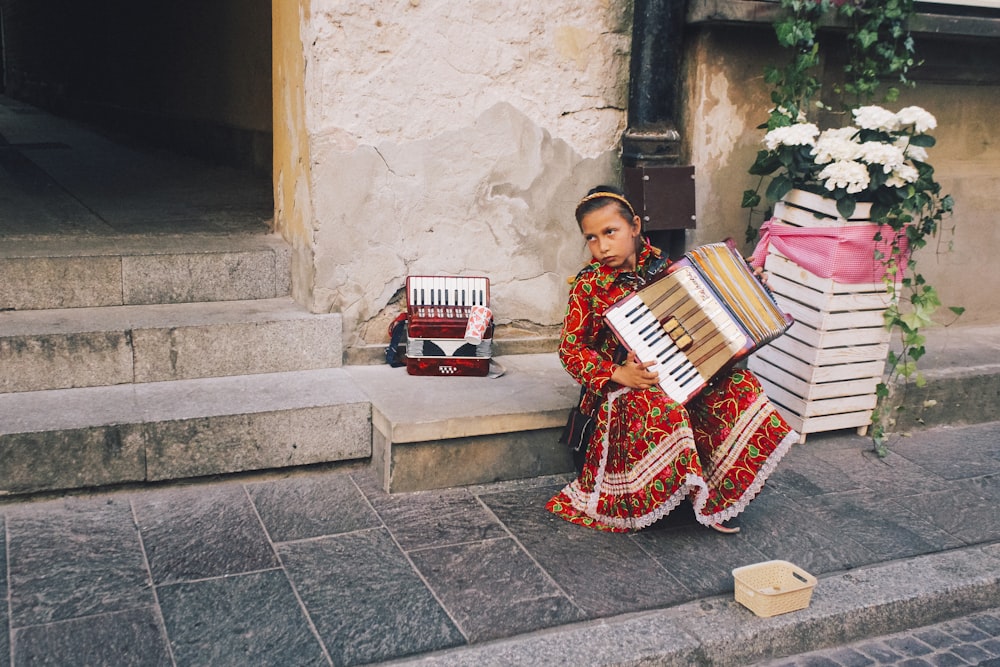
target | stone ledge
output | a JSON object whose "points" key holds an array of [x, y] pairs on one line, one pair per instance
{"points": [[76, 438], [86, 347], [845, 607], [967, 21], [504, 344], [433, 432]]}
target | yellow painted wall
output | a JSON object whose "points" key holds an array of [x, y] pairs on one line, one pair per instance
{"points": [[293, 209]]}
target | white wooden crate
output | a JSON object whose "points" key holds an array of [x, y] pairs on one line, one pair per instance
{"points": [[822, 374]]}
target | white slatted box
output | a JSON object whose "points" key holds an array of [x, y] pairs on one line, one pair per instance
{"points": [[822, 374]]}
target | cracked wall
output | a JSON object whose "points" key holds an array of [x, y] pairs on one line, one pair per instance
{"points": [[454, 139]]}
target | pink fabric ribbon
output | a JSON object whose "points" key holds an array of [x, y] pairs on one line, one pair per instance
{"points": [[845, 254]]}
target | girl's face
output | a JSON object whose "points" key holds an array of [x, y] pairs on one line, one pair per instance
{"points": [[611, 237]]}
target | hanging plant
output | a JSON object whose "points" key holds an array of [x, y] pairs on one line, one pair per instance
{"points": [[880, 157]]}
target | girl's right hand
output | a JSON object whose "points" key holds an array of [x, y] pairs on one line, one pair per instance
{"points": [[635, 374]]}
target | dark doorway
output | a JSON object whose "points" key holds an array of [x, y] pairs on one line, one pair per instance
{"points": [[191, 75]]}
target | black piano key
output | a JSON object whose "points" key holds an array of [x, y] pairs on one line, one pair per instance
{"points": [[675, 365], [629, 314]]}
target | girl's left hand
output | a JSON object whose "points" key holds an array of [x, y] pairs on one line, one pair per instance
{"points": [[635, 374]]}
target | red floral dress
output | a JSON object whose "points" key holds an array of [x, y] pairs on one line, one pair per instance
{"points": [[649, 452]]}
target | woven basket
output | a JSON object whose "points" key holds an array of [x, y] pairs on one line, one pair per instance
{"points": [[773, 587]]}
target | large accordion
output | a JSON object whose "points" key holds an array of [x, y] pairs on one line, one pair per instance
{"points": [[706, 313], [438, 311]]}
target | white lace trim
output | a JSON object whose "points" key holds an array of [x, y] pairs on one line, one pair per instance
{"points": [[692, 484], [751, 491]]}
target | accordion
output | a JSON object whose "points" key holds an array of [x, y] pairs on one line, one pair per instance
{"points": [[438, 311], [706, 313]]}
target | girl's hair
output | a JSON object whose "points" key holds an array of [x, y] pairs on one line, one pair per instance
{"points": [[601, 196]]}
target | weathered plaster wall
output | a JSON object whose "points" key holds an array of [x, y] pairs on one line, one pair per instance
{"points": [[727, 99], [456, 138]]}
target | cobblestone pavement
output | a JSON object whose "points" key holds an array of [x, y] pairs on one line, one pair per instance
{"points": [[321, 566], [969, 640]]}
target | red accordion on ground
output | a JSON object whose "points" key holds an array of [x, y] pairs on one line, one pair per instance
{"points": [[438, 311]]}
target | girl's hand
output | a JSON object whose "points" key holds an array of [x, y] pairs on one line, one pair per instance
{"points": [[761, 276], [634, 374]]}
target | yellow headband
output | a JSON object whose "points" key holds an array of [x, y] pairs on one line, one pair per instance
{"points": [[610, 195]]}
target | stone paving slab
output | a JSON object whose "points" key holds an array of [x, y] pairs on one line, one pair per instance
{"points": [[321, 566]]}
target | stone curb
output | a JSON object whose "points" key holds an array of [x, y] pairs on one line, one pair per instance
{"points": [[845, 607]]}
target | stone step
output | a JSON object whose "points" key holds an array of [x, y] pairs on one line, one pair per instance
{"points": [[420, 432], [76, 438], [87, 347], [92, 271], [438, 432]]}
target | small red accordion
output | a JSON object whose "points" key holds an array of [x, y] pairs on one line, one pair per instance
{"points": [[438, 310]]}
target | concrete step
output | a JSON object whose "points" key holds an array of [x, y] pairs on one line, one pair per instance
{"points": [[77, 438], [420, 432], [438, 432], [88, 347], [961, 371], [91, 271]]}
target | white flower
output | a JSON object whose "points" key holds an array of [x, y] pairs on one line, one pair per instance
{"points": [[887, 155], [902, 175], [800, 134], [836, 144], [918, 153], [921, 120], [876, 118], [849, 175]]}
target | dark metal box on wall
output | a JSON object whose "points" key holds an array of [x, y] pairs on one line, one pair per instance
{"points": [[663, 195]]}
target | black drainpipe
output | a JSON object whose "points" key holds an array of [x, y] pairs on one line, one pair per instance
{"points": [[659, 186]]}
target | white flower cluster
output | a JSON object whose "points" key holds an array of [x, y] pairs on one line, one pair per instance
{"points": [[799, 134], [921, 120], [837, 145], [847, 174], [876, 118], [847, 158]]}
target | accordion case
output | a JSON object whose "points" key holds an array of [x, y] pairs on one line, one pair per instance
{"points": [[438, 310]]}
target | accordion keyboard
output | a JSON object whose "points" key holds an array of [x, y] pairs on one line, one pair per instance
{"points": [[679, 330], [445, 297]]}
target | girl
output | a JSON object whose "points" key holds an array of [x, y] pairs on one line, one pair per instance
{"points": [[648, 452]]}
